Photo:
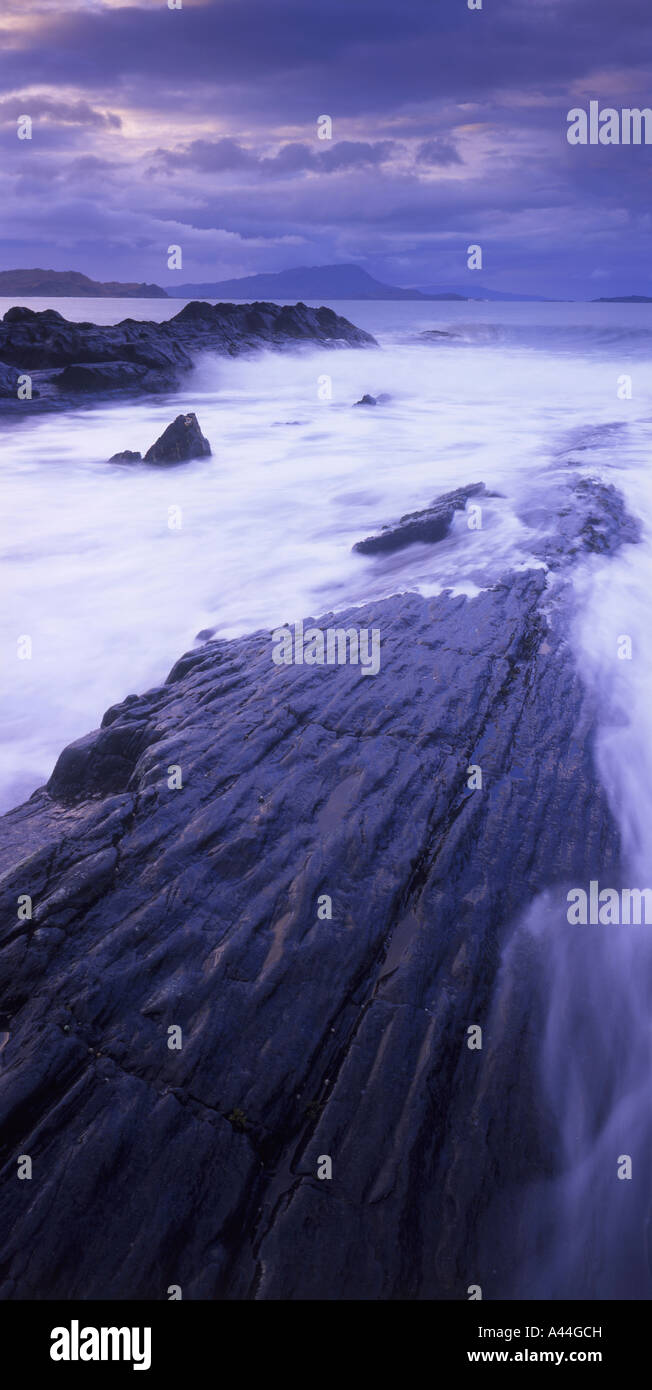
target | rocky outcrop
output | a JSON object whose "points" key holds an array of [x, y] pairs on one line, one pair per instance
{"points": [[426, 527], [132, 356], [180, 442], [268, 903]]}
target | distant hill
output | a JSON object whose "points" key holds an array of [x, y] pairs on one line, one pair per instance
{"points": [[480, 292], [306, 282], [624, 299], [52, 284]]}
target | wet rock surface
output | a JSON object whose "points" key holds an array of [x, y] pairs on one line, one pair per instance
{"points": [[135, 357], [426, 527], [180, 442], [158, 906]]}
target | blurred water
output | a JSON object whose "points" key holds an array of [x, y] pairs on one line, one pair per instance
{"points": [[111, 596]]}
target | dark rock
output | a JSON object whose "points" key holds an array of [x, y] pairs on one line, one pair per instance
{"points": [[127, 456], [425, 527], [593, 520], [196, 907], [181, 441], [8, 380], [106, 376], [21, 314], [433, 335], [135, 356], [367, 400]]}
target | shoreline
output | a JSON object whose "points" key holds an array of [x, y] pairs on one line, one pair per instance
{"points": [[176, 864], [71, 363]]}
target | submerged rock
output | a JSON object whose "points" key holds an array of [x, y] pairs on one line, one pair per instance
{"points": [[426, 527], [180, 442]]}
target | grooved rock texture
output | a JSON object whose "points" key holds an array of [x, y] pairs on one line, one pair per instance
{"points": [[197, 907]]}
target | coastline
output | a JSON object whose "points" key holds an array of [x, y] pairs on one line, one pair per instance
{"points": [[196, 907]]}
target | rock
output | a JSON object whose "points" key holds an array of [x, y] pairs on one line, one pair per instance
{"points": [[434, 335], [426, 527], [367, 400], [9, 382], [181, 441], [127, 456], [159, 906], [106, 376], [593, 519], [136, 357]]}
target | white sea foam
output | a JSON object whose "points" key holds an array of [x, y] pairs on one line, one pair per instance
{"points": [[111, 596]]}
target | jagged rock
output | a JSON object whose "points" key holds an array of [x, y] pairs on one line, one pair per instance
{"points": [[139, 356], [427, 526], [127, 456], [367, 400], [159, 906], [181, 441]]}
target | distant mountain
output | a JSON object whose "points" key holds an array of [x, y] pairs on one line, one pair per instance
{"points": [[480, 292], [306, 282], [624, 299], [53, 284]]}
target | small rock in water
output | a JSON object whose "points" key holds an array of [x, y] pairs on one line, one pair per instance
{"points": [[127, 456], [367, 400], [426, 527], [180, 442]]}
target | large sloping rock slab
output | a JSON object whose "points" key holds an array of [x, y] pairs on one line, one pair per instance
{"points": [[157, 906]]}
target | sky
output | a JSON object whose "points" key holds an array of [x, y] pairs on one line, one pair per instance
{"points": [[198, 127]]}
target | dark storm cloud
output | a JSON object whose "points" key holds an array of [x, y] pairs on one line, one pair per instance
{"points": [[269, 55], [295, 157], [438, 151]]}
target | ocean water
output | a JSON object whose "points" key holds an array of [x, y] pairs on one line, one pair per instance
{"points": [[111, 595]]}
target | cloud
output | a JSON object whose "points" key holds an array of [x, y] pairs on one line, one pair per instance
{"points": [[295, 157], [449, 127], [438, 151], [46, 108]]}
